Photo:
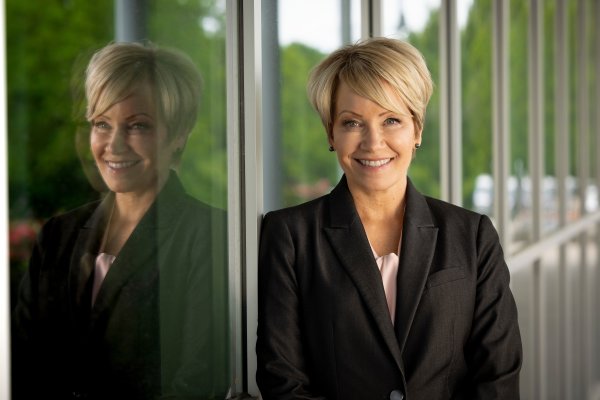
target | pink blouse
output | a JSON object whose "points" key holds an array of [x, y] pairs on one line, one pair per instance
{"points": [[103, 263], [388, 267]]}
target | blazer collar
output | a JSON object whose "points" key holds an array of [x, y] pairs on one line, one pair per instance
{"points": [[419, 240], [140, 250], [349, 241]]}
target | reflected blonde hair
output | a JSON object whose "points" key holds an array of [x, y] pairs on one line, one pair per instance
{"points": [[368, 68], [118, 69]]}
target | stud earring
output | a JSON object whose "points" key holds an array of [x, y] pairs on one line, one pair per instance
{"points": [[331, 148], [417, 145]]}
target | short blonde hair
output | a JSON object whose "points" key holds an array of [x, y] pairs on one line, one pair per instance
{"points": [[367, 67], [118, 69]]}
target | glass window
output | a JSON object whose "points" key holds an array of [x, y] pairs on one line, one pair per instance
{"points": [[419, 24], [297, 165], [476, 53], [520, 189], [129, 292]]}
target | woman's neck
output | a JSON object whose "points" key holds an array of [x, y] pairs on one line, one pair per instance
{"points": [[128, 211], [382, 216], [379, 205]]}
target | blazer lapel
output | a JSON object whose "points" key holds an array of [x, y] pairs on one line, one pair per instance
{"points": [[141, 251], [349, 241], [418, 246], [83, 258]]}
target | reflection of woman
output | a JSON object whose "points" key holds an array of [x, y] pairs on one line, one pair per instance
{"points": [[126, 297], [376, 291]]}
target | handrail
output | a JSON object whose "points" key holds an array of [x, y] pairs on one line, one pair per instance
{"points": [[527, 256]]}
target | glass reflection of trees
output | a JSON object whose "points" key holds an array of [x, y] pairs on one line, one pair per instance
{"points": [[45, 174]]}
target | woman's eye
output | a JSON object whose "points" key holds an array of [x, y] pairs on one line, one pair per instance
{"points": [[101, 125], [139, 126], [350, 123], [392, 121]]}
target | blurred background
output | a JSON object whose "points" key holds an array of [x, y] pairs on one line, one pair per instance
{"points": [[512, 131]]}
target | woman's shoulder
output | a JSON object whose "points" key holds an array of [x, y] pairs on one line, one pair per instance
{"points": [[310, 209], [454, 217], [76, 216], [442, 207], [194, 210]]}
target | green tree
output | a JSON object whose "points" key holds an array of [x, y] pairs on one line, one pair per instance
{"points": [[200, 33], [43, 43], [425, 169], [306, 160]]}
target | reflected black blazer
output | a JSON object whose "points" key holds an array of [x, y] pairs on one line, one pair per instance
{"points": [[158, 327], [324, 330]]}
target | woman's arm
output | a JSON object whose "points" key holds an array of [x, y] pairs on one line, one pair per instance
{"points": [[282, 368], [493, 351], [195, 314]]}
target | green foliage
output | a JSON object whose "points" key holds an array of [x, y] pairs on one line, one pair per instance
{"points": [[47, 49], [425, 168], [200, 33], [46, 43], [476, 80], [43, 43], [304, 140]]}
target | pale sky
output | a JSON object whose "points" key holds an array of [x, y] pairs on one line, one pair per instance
{"points": [[317, 22]]}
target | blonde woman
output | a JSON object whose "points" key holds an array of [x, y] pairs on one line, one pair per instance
{"points": [[376, 291], [126, 297]]}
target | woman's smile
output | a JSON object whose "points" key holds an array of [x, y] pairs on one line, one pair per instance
{"points": [[120, 165], [375, 163]]}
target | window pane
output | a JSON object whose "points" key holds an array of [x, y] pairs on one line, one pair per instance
{"points": [[476, 53], [147, 197], [418, 23], [297, 164], [520, 183]]}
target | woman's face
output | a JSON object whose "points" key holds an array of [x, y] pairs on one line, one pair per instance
{"points": [[130, 145], [374, 146]]}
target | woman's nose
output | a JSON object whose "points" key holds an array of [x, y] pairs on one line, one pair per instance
{"points": [[372, 136], [117, 142]]}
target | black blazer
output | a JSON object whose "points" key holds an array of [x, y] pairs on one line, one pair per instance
{"points": [[158, 327], [324, 330]]}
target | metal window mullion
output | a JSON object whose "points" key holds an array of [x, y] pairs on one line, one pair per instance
{"points": [[450, 110], [346, 22], [253, 174], [535, 81], [562, 151], [234, 81], [501, 117], [271, 125], [131, 20], [371, 18], [5, 379], [595, 350], [536, 114], [245, 179], [582, 107]]}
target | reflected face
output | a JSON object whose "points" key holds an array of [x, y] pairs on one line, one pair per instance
{"points": [[374, 146], [130, 145]]}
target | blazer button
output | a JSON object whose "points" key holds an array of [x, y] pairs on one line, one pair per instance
{"points": [[396, 395]]}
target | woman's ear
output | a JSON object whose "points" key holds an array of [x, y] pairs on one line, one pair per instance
{"points": [[180, 142], [178, 145], [419, 136], [330, 134]]}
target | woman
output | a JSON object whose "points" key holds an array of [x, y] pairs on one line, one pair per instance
{"points": [[126, 297], [375, 291]]}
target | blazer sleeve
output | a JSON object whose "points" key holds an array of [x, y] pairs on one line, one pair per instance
{"points": [[494, 350], [282, 371], [25, 321], [200, 344]]}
